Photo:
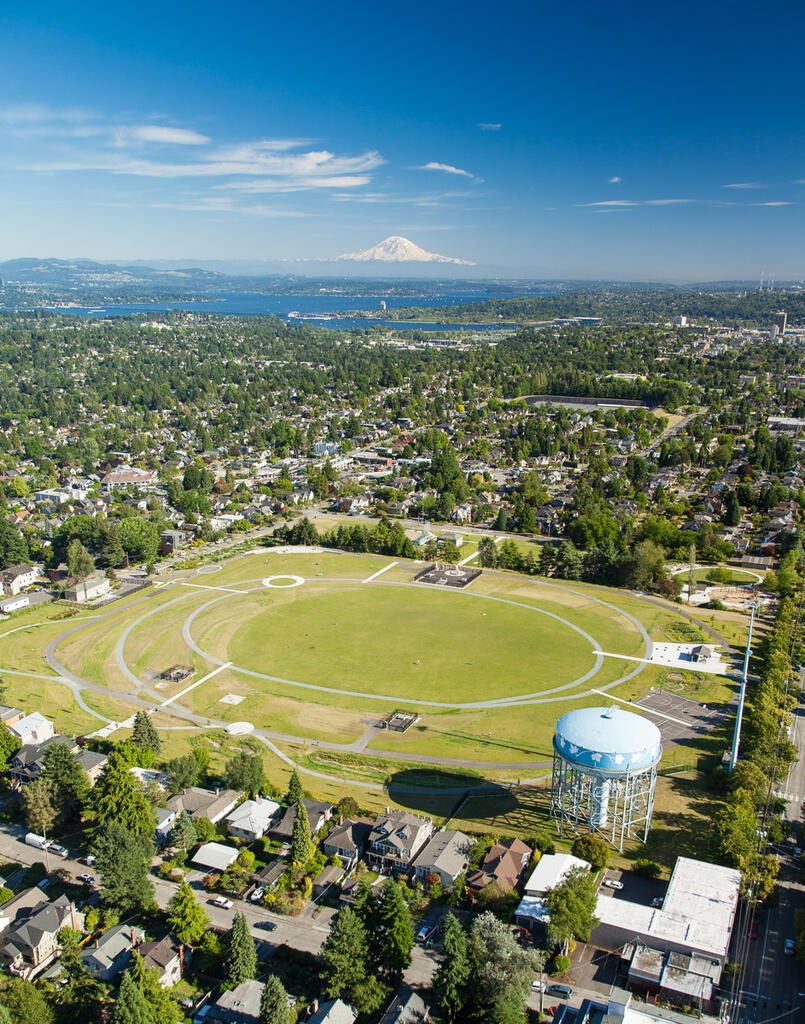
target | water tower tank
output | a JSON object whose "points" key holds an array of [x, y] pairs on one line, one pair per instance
{"points": [[604, 773]]}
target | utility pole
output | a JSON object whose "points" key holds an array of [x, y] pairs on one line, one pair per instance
{"points": [[691, 569], [736, 738]]}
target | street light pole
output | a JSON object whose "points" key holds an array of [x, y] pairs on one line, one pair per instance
{"points": [[736, 738]]}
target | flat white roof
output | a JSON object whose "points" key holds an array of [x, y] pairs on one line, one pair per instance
{"points": [[215, 855], [551, 870], [697, 913]]}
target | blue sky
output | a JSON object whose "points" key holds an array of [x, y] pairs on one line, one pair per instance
{"points": [[620, 140]]}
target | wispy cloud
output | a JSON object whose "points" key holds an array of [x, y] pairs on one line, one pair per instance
{"points": [[447, 168], [163, 133], [745, 184], [615, 180], [778, 202], [389, 199], [668, 202], [226, 204], [489, 126], [611, 202]]}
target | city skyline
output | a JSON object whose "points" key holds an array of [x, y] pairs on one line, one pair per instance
{"points": [[547, 143]]}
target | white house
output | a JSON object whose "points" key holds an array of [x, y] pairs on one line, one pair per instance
{"points": [[253, 818], [18, 577], [34, 728], [89, 589]]}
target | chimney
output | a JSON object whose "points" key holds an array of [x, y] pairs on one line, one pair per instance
{"points": [[340, 819], [133, 937]]}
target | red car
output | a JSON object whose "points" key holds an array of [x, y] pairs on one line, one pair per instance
{"points": [[752, 931]]}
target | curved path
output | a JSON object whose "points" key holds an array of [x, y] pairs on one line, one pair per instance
{"points": [[193, 720]]}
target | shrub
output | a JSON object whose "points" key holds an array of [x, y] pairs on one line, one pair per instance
{"points": [[647, 868], [561, 965], [592, 849]]}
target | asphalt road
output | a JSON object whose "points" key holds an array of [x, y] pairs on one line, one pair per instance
{"points": [[774, 984]]}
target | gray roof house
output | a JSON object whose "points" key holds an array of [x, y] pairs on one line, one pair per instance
{"points": [[168, 956], [334, 1011], [446, 854], [253, 818], [241, 1005], [205, 803], [110, 955], [317, 813], [347, 840], [31, 944], [407, 1007], [395, 839]]}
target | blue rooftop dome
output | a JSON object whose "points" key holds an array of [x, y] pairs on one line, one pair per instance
{"points": [[610, 740]]}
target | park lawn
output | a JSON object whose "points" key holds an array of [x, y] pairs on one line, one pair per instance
{"points": [[52, 699], [369, 640], [737, 576], [115, 710]]}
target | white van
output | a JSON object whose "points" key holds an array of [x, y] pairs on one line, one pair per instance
{"points": [[32, 839]]}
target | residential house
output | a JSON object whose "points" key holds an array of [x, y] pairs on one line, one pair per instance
{"points": [[317, 812], [90, 589], [18, 578], [28, 762], [241, 1005], [205, 803], [31, 944], [505, 863], [407, 1007], [334, 1011], [167, 955], [395, 839], [92, 763], [165, 820], [110, 955], [10, 716], [172, 540], [347, 840], [253, 818], [446, 854], [329, 875]]}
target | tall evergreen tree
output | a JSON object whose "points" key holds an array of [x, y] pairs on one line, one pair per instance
{"points": [[274, 1007], [240, 958], [117, 797], [187, 918], [25, 1003], [144, 734], [396, 933], [453, 972], [183, 834], [130, 1005], [123, 861], [301, 842], [294, 788], [344, 955], [63, 769]]}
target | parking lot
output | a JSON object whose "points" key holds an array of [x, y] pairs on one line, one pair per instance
{"points": [[690, 718]]}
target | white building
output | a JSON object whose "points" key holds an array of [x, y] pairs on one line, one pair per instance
{"points": [[88, 590], [34, 728], [551, 871], [253, 818]]}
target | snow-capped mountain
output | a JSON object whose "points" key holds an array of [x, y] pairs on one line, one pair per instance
{"points": [[396, 249]]}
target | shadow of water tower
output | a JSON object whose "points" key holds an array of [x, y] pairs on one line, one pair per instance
{"points": [[605, 773]]}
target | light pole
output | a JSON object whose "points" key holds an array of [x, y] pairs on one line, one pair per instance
{"points": [[736, 738]]}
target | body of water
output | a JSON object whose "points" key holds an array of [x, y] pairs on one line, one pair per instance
{"points": [[307, 307]]}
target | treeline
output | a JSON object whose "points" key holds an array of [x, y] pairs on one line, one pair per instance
{"points": [[751, 816]]}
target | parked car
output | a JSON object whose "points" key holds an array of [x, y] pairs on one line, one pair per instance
{"points": [[222, 901], [87, 879], [423, 933], [563, 991], [789, 947], [266, 926], [537, 986], [613, 883], [797, 853], [89, 860], [657, 902], [257, 895], [59, 851]]}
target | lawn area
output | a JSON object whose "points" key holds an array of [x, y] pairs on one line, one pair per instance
{"points": [[54, 700], [736, 576]]}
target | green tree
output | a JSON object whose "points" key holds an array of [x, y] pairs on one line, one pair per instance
{"points": [[40, 805], [501, 971], [80, 562], [344, 955], [163, 1007], [240, 956], [244, 772], [117, 797], [123, 860], [182, 773], [274, 1007], [301, 842], [294, 788], [64, 771], [395, 936], [130, 1006], [453, 971], [139, 538], [144, 733], [26, 1003], [571, 906], [186, 917], [13, 549], [183, 834], [9, 745], [593, 850]]}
